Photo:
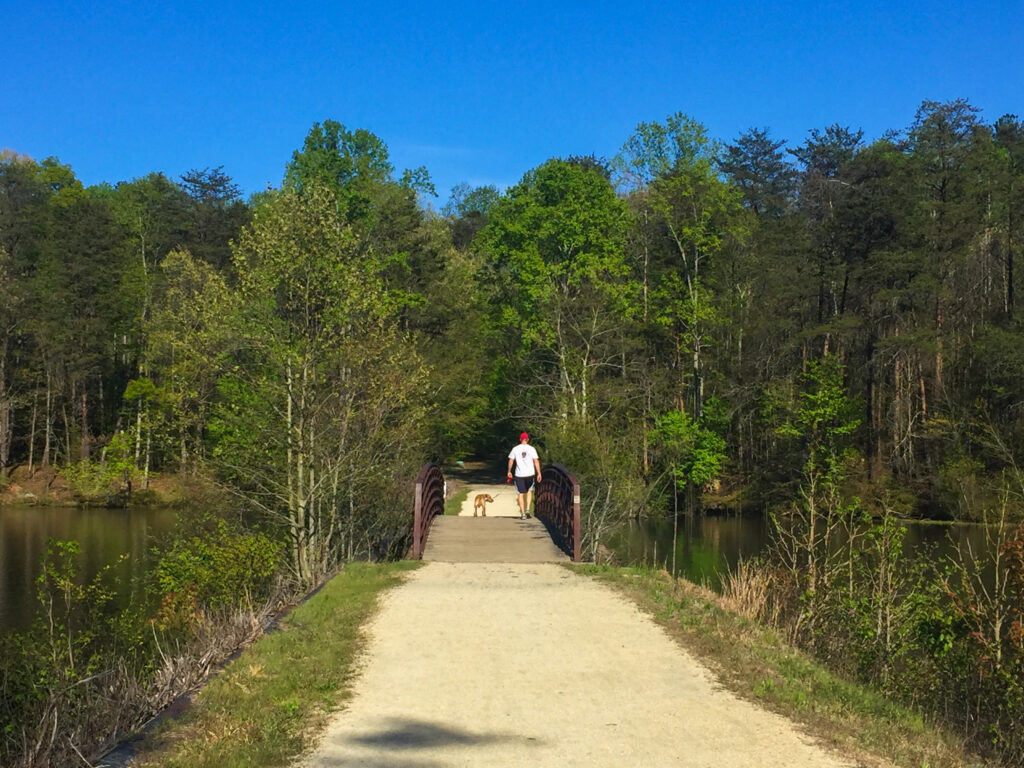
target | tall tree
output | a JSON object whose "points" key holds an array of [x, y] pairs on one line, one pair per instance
{"points": [[675, 166], [217, 214], [555, 249], [323, 406], [758, 166], [9, 312]]}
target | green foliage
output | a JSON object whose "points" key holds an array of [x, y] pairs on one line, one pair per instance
{"points": [[825, 419], [223, 569], [322, 382], [555, 238], [695, 454], [85, 671], [962, 487], [333, 155], [349, 334], [93, 481]]}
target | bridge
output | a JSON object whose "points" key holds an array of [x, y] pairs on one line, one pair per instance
{"points": [[551, 535]]}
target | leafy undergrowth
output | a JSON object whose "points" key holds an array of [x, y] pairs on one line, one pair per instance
{"points": [[269, 705], [755, 663]]}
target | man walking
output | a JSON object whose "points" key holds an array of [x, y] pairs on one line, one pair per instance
{"points": [[527, 466]]}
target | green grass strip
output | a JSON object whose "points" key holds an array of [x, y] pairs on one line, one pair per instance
{"points": [[755, 663], [453, 505], [270, 704]]}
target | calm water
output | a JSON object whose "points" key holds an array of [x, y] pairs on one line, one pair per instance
{"points": [[709, 546], [104, 535]]}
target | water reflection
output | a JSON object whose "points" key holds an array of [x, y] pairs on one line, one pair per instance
{"points": [[104, 535], [707, 547]]}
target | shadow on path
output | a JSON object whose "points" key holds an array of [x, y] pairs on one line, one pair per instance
{"points": [[403, 735], [489, 472]]}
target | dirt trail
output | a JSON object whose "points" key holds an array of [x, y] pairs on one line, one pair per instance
{"points": [[475, 664], [504, 504]]}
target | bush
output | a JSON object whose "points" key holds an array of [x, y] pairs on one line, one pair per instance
{"points": [[92, 481], [226, 569]]}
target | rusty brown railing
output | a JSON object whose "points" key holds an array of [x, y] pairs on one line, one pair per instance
{"points": [[558, 506], [428, 504]]}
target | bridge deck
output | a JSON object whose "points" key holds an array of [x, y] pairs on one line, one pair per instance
{"points": [[490, 540], [501, 537]]}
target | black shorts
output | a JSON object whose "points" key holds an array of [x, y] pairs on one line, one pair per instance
{"points": [[524, 484]]}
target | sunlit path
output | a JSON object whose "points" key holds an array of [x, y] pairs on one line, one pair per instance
{"points": [[505, 665]]}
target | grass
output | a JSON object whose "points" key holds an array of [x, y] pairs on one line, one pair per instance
{"points": [[454, 504], [753, 662], [269, 705]]}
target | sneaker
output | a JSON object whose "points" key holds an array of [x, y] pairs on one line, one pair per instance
{"points": [[522, 517]]}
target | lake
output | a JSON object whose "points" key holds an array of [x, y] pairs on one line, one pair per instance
{"points": [[711, 545], [104, 535]]}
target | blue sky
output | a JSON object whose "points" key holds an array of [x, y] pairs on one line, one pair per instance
{"points": [[477, 92]]}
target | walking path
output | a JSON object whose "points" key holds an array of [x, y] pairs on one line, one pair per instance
{"points": [[496, 664]]}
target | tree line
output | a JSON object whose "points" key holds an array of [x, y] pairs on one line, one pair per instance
{"points": [[650, 314]]}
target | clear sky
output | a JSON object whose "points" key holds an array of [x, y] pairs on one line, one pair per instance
{"points": [[477, 92]]}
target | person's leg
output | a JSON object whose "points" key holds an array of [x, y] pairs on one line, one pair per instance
{"points": [[523, 486], [529, 502]]}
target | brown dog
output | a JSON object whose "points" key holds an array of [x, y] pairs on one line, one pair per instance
{"points": [[480, 502]]}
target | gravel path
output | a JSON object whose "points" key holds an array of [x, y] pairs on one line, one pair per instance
{"points": [[474, 664]]}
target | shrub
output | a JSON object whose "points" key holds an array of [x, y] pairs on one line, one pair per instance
{"points": [[225, 569], [90, 480]]}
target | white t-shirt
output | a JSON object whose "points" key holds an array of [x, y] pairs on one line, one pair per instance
{"points": [[524, 454]]}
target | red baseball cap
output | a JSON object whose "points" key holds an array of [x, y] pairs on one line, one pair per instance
{"points": [[524, 436]]}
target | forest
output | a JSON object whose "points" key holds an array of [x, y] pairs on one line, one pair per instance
{"points": [[824, 333], [620, 308]]}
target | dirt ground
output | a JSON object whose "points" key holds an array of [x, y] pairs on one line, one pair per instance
{"points": [[504, 504], [48, 486], [477, 664], [44, 485]]}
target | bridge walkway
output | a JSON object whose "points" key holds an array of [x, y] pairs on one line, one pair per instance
{"points": [[500, 537]]}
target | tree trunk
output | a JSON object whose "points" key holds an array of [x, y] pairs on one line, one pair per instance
{"points": [[47, 443], [869, 405], [1009, 264], [32, 434], [938, 345], [6, 428], [85, 426], [145, 472], [67, 432], [138, 432]]}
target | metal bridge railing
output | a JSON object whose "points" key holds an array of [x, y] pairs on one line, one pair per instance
{"points": [[558, 506], [428, 504]]}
